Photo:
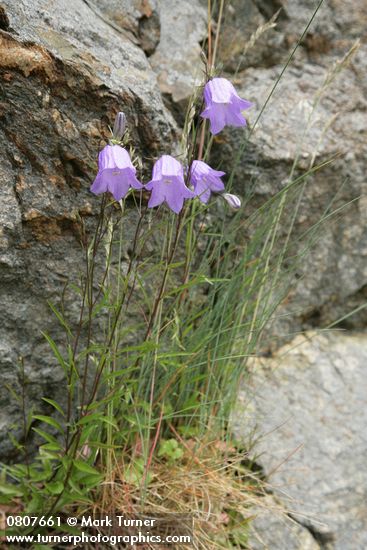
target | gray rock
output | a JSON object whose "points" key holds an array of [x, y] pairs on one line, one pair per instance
{"points": [[65, 72], [317, 111], [338, 22], [241, 22], [177, 57], [315, 114], [139, 17], [273, 529], [307, 409]]}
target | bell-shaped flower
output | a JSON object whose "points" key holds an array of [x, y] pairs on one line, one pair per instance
{"points": [[116, 172], [168, 185], [223, 105], [205, 180]]}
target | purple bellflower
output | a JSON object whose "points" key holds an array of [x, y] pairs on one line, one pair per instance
{"points": [[167, 184], [116, 172], [223, 105], [205, 180]]}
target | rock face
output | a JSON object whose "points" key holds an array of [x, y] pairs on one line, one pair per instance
{"points": [[307, 408], [317, 111], [141, 18], [314, 115], [273, 529], [240, 22], [177, 57], [65, 72]]}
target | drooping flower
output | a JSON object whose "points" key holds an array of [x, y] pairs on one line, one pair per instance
{"points": [[233, 201], [116, 172], [223, 105], [167, 184], [205, 180]]}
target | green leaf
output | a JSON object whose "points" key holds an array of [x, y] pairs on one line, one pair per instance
{"points": [[10, 490], [92, 481], [191, 402], [49, 420], [95, 418], [15, 442], [13, 393], [51, 447], [35, 504], [189, 431], [55, 487], [46, 436], [57, 353], [60, 317], [90, 418], [170, 449], [76, 489], [45, 454], [134, 473], [37, 475], [85, 467], [54, 405]]}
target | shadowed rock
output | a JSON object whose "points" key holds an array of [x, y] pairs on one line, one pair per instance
{"points": [[65, 72]]}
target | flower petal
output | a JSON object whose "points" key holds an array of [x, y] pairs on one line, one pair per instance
{"points": [[233, 200], [171, 167], [116, 172], [175, 202], [118, 184], [133, 181], [202, 191], [99, 185], [234, 118], [242, 104], [217, 173], [205, 180], [216, 184], [217, 118], [221, 90], [156, 198]]}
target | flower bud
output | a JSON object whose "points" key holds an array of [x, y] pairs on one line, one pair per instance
{"points": [[119, 126], [233, 201]]}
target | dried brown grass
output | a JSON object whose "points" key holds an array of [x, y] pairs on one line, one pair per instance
{"points": [[211, 482]]}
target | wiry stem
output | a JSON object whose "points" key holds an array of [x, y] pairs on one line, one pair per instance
{"points": [[164, 279], [217, 34]]}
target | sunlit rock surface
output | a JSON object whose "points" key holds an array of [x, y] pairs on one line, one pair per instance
{"points": [[304, 412]]}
